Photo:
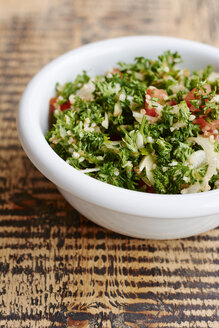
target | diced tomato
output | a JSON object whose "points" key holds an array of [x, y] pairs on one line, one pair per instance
{"points": [[172, 102], [65, 106], [160, 94], [192, 95], [200, 121], [151, 112], [207, 128], [52, 104]]}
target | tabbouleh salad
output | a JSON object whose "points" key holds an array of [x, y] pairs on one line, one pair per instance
{"points": [[147, 126]]}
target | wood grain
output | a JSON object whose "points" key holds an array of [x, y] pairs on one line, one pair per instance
{"points": [[57, 269]]}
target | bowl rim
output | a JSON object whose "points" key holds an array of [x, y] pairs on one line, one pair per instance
{"points": [[98, 192]]}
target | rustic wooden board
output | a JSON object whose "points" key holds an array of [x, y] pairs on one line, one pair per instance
{"points": [[57, 269]]}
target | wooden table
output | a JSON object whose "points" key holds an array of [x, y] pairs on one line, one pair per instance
{"points": [[57, 269]]}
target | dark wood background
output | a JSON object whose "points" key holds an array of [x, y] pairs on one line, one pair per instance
{"points": [[57, 269]]}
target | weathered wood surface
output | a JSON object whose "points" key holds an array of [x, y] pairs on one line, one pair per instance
{"points": [[57, 269]]}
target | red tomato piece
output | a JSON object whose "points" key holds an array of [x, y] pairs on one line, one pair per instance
{"points": [[172, 102], [151, 112], [193, 96], [160, 94], [65, 106], [200, 121], [207, 128]]}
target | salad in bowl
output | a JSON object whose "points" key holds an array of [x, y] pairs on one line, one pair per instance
{"points": [[147, 126]]}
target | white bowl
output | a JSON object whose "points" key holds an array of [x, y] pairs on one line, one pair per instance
{"points": [[127, 212]]}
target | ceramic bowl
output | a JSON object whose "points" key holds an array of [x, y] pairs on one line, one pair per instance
{"points": [[127, 212]]}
